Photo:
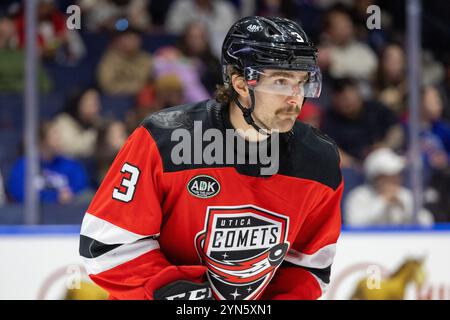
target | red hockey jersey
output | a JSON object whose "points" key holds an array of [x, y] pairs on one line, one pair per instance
{"points": [[153, 222]]}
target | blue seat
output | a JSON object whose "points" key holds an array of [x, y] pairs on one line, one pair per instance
{"points": [[12, 214], [70, 214], [50, 105], [10, 143], [116, 106], [152, 42], [63, 214], [11, 111]]}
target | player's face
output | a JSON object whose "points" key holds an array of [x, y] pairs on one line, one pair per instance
{"points": [[279, 98]]}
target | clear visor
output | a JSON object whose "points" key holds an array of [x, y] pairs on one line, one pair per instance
{"points": [[285, 82]]}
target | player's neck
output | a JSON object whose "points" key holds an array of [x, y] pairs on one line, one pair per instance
{"points": [[238, 122]]}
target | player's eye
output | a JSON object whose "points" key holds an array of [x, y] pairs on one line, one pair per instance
{"points": [[281, 82]]}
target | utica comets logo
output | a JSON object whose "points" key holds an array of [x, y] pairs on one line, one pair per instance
{"points": [[242, 248]]}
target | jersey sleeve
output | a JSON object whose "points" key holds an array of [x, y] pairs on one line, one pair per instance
{"points": [[305, 272], [120, 230]]}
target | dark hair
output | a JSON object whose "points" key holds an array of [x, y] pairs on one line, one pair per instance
{"points": [[182, 44], [72, 104], [338, 85], [446, 59], [115, 34], [379, 81], [338, 8], [43, 128], [224, 93]]}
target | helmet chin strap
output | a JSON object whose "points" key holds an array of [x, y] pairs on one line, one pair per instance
{"points": [[247, 113]]}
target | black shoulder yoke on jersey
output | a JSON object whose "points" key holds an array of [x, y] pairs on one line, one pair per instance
{"points": [[305, 153]]}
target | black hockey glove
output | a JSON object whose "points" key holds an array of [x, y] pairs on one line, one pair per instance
{"points": [[184, 290]]}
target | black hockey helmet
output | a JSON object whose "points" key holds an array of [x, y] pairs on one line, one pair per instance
{"points": [[267, 42], [255, 43]]}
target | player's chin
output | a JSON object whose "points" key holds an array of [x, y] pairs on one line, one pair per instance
{"points": [[285, 124]]}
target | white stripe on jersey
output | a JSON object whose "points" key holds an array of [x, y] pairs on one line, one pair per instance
{"points": [[132, 245], [119, 255], [320, 259], [106, 232]]}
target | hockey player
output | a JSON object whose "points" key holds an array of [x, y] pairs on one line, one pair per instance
{"points": [[161, 228]]}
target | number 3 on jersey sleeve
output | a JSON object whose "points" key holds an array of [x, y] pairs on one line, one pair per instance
{"points": [[129, 184]]}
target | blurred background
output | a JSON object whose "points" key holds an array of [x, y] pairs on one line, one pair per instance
{"points": [[385, 104]]}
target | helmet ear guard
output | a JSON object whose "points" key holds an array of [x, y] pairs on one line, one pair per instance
{"points": [[251, 76], [225, 74]]}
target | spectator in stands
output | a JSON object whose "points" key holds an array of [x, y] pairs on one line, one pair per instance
{"points": [[431, 115], [341, 54], [194, 45], [61, 180], [125, 67], [376, 38], [383, 200], [78, 125], [218, 15], [436, 195], [169, 92], [111, 15], [170, 60], [432, 70], [444, 88], [358, 125], [12, 62], [434, 135], [166, 91], [111, 138], [8, 34], [390, 83], [56, 42], [158, 11]]}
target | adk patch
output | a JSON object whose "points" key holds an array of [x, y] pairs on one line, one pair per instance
{"points": [[203, 186]]}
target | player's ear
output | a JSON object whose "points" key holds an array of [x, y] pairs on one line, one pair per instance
{"points": [[239, 85]]}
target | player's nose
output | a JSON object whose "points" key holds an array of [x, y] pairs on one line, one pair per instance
{"points": [[295, 100]]}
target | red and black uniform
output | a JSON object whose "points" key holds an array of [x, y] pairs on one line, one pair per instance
{"points": [[154, 222]]}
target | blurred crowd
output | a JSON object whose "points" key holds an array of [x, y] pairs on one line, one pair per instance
{"points": [[363, 106]]}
